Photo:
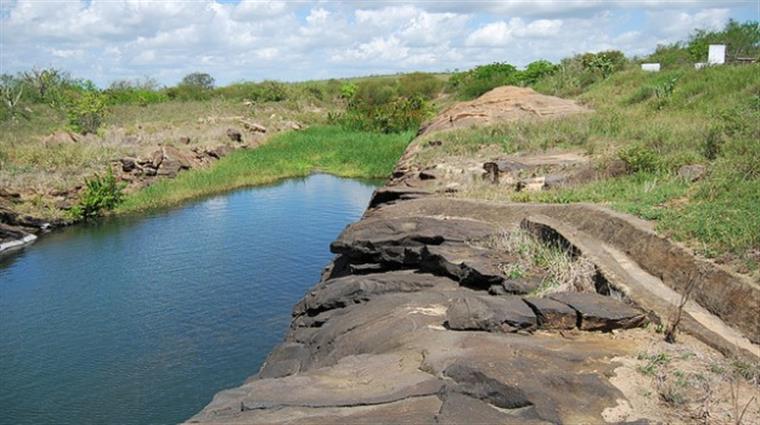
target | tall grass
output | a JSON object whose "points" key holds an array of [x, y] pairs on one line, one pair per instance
{"points": [[655, 122], [327, 149]]}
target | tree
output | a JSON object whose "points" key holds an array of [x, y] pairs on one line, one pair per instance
{"points": [[199, 80]]}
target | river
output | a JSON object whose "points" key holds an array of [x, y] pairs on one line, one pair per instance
{"points": [[140, 320]]}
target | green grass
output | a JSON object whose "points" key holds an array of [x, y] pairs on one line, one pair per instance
{"points": [[294, 154], [659, 122]]}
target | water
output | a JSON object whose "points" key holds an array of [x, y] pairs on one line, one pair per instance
{"points": [[142, 320]]}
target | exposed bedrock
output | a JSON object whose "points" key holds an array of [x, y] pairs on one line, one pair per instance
{"points": [[405, 327]]}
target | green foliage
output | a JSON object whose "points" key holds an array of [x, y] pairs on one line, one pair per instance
{"points": [[138, 92], [100, 194], [420, 84], [741, 40], [199, 80], [293, 154], [348, 91], [86, 111], [268, 91], [640, 158], [473, 83], [537, 70], [604, 63]]}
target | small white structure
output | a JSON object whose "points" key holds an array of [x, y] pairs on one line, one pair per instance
{"points": [[700, 65], [650, 67], [717, 54]]}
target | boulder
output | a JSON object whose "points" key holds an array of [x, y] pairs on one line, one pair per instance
{"points": [[173, 154], [156, 158], [219, 151], [234, 135], [599, 312], [491, 314], [553, 314], [128, 164], [184, 140], [692, 173]]}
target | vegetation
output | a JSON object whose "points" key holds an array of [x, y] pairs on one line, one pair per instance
{"points": [[327, 149], [100, 194], [709, 117]]}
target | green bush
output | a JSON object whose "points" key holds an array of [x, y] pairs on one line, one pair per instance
{"points": [[537, 70], [86, 111], [100, 194], [604, 63], [473, 83], [268, 91], [639, 158], [419, 84]]}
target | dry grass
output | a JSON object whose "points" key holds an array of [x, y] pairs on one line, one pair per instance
{"points": [[563, 271]]}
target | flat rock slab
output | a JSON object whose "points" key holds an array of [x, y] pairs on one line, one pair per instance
{"points": [[409, 231], [491, 314], [601, 313], [353, 381], [553, 314], [353, 289]]}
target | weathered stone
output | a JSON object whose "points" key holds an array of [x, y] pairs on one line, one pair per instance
{"points": [[492, 314], [692, 173], [474, 383], [234, 135], [553, 314], [128, 164], [156, 158], [219, 151], [350, 290], [184, 140], [286, 359], [173, 154], [601, 313]]}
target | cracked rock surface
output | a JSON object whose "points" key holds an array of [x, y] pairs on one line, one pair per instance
{"points": [[405, 327]]}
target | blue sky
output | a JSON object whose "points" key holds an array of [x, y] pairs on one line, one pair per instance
{"points": [[107, 40]]}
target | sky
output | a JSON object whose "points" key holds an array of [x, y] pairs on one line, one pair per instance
{"points": [[109, 40]]}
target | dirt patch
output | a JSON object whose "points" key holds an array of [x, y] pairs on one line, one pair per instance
{"points": [[503, 104]]}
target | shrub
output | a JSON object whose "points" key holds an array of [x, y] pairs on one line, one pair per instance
{"points": [[394, 115], [199, 80], [604, 63], [473, 83], [100, 194], [86, 111], [268, 91], [640, 158], [419, 84], [537, 70]]}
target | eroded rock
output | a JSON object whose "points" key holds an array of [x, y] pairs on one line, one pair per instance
{"points": [[601, 313]]}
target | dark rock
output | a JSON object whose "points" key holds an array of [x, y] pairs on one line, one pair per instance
{"points": [[169, 168], [173, 154], [692, 173], [553, 314], [474, 383], [350, 290], [601, 313], [491, 314], [387, 195], [435, 143], [150, 171], [234, 135], [184, 140], [128, 164], [497, 290], [462, 409], [219, 151], [12, 196]]}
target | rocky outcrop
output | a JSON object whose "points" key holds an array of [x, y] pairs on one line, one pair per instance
{"points": [[403, 328], [415, 320]]}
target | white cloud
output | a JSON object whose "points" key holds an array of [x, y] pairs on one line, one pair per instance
{"points": [[107, 40]]}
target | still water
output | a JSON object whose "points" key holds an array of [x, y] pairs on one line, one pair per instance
{"points": [[142, 320]]}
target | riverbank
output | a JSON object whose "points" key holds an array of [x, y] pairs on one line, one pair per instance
{"points": [[443, 308], [327, 149]]}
